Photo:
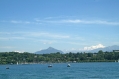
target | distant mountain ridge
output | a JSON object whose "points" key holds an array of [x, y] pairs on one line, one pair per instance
{"points": [[109, 49], [53, 50], [48, 51]]}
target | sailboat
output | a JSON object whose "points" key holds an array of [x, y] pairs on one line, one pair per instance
{"points": [[7, 67], [17, 63], [50, 65], [68, 65]]}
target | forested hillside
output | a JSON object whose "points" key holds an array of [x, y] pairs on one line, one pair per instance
{"points": [[27, 58]]}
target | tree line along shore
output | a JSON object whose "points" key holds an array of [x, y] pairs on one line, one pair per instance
{"points": [[30, 58]]}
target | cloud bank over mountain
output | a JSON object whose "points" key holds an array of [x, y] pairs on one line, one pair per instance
{"points": [[94, 47]]}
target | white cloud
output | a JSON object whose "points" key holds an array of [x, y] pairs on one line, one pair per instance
{"points": [[22, 22], [77, 21], [13, 21], [73, 49], [51, 35], [47, 41], [17, 37], [71, 21], [17, 22], [12, 38], [7, 47], [23, 35], [4, 38], [19, 51], [63, 20], [94, 47]]}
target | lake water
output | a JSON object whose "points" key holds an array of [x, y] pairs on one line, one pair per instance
{"points": [[61, 71]]}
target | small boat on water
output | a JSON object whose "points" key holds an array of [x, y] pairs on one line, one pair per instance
{"points": [[68, 65], [7, 68], [49, 65], [17, 63]]}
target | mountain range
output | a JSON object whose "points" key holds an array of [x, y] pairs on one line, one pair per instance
{"points": [[53, 50], [48, 51], [108, 49]]}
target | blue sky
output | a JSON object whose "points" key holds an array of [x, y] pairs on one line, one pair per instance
{"points": [[67, 25]]}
